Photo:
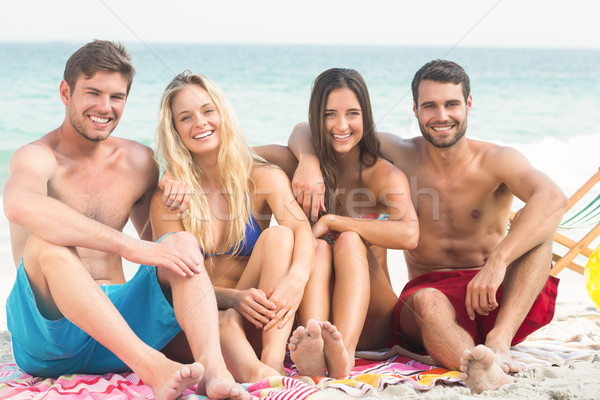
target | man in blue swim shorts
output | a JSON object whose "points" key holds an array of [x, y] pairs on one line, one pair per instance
{"points": [[68, 198]]}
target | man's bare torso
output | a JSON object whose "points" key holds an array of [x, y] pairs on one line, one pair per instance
{"points": [[103, 186], [463, 210]]}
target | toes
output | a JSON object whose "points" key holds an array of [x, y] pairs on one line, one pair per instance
{"points": [[313, 328], [185, 372], [298, 333], [466, 357]]}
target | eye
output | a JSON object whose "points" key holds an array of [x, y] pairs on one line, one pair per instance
{"points": [[329, 114]]}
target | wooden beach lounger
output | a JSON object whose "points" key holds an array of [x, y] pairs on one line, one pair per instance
{"points": [[584, 216]]}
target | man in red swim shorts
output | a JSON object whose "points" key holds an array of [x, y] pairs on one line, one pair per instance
{"points": [[474, 290]]}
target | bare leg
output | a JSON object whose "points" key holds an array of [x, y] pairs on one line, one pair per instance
{"points": [[63, 287], [480, 371], [316, 302], [377, 328], [195, 307], [351, 292], [239, 355], [306, 349], [268, 264], [524, 280], [428, 318]]}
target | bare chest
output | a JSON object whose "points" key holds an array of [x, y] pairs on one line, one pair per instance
{"points": [[104, 194], [460, 204]]}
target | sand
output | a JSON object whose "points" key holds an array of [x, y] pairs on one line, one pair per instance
{"points": [[571, 341]]}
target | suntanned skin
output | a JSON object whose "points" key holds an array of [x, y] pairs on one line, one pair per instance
{"points": [[266, 287], [346, 275], [68, 197], [462, 192]]}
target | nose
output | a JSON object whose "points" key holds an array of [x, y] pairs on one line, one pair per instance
{"points": [[341, 123], [442, 113], [104, 105], [199, 120]]}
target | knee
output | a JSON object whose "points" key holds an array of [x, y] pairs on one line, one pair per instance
{"points": [[426, 302], [180, 240], [348, 240], [229, 318], [280, 236], [37, 249]]}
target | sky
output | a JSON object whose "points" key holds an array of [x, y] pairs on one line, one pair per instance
{"points": [[469, 23]]}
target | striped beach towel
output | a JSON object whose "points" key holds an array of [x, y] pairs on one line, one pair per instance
{"points": [[367, 376]]}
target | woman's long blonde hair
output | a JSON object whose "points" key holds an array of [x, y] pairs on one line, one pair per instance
{"points": [[235, 161]]}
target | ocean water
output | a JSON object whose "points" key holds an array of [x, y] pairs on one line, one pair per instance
{"points": [[544, 102]]}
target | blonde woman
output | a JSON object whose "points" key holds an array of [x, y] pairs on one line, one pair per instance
{"points": [[258, 272]]}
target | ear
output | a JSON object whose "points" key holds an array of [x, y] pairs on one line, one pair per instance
{"points": [[469, 103], [415, 109], [65, 92]]}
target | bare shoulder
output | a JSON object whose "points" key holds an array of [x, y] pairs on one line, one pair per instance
{"points": [[36, 155], [265, 174], [384, 175], [135, 152], [400, 151], [499, 158]]}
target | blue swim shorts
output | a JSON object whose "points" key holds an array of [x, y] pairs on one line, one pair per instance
{"points": [[50, 348]]}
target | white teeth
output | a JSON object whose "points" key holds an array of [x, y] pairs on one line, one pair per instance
{"points": [[442, 128], [341, 137], [203, 135], [99, 120]]}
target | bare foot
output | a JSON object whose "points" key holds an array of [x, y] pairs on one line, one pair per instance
{"points": [[260, 371], [218, 383], [171, 379], [306, 349], [503, 358], [338, 361], [225, 389], [480, 371]]}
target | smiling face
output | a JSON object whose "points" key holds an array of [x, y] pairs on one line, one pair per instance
{"points": [[442, 112], [343, 119], [95, 105], [196, 119]]}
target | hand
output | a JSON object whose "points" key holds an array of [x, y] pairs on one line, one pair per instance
{"points": [[481, 291], [161, 255], [254, 305], [286, 296], [321, 227], [176, 195], [308, 188]]}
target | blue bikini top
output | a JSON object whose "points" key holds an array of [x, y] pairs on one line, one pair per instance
{"points": [[252, 234]]}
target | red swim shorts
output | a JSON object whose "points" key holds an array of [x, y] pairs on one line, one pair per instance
{"points": [[454, 285]]}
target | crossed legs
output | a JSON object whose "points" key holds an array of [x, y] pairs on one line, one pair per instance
{"points": [[62, 286], [428, 318], [269, 263]]}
